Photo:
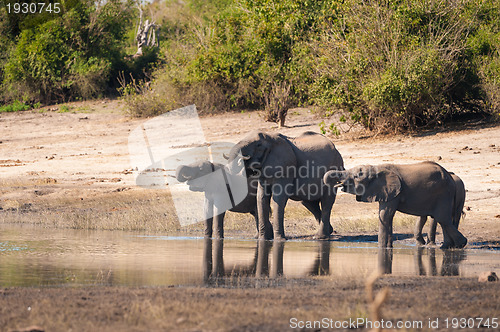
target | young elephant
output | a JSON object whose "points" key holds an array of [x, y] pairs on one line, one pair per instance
{"points": [[423, 189], [459, 205], [195, 175]]}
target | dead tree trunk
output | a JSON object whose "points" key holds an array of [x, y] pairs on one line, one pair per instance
{"points": [[146, 34]]}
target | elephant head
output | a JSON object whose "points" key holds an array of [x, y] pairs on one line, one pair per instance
{"points": [[259, 150], [194, 175], [368, 183]]}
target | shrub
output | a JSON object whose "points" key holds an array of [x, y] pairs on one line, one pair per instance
{"points": [[16, 106], [396, 65], [69, 55]]}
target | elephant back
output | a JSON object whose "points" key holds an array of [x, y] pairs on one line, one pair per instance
{"points": [[318, 149]]}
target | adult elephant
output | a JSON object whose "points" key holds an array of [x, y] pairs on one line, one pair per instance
{"points": [[200, 176], [288, 168], [459, 206], [423, 189]]}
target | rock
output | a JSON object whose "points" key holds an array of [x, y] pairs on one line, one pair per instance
{"points": [[487, 276]]}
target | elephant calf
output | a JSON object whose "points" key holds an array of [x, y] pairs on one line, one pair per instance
{"points": [[195, 175], [459, 204], [423, 189]]}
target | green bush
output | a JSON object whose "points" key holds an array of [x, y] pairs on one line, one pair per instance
{"points": [[397, 65], [16, 106], [71, 55], [390, 65]]}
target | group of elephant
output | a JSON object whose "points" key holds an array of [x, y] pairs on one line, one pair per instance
{"points": [[308, 168]]}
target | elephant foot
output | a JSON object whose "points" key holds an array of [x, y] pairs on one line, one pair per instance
{"points": [[256, 236], [461, 244], [321, 236], [420, 239], [446, 245], [279, 237], [330, 230], [265, 237]]}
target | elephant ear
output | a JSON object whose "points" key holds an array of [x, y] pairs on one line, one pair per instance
{"points": [[262, 149], [384, 187]]}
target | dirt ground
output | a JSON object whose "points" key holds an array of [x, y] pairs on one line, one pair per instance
{"points": [[72, 169]]}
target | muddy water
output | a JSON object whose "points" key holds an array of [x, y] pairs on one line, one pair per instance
{"points": [[40, 257]]}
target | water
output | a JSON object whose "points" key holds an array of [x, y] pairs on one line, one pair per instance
{"points": [[31, 256]]}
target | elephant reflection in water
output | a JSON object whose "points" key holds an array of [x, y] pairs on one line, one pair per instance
{"points": [[215, 272], [449, 267], [213, 262], [385, 260], [321, 265]]}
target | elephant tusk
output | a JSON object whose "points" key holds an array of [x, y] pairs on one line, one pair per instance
{"points": [[338, 185], [225, 156], [246, 157]]}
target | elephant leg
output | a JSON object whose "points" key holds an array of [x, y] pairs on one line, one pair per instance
{"points": [[386, 215], [418, 230], [452, 237], [207, 259], [263, 209], [219, 224], [280, 199], [208, 209], [325, 228], [255, 215], [313, 207], [432, 232], [218, 263]]}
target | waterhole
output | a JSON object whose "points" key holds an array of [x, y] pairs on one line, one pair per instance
{"points": [[31, 256]]}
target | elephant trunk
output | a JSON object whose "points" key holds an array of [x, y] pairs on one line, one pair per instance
{"points": [[180, 174], [334, 178]]}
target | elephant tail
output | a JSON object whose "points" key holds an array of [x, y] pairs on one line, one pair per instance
{"points": [[459, 201]]}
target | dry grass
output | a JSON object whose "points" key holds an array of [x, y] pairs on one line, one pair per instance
{"points": [[105, 209], [248, 309]]}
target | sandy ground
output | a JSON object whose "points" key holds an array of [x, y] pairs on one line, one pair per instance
{"points": [[47, 156], [60, 163]]}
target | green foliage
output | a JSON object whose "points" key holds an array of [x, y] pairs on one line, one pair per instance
{"points": [[388, 65], [16, 106], [237, 56], [70, 55], [63, 109]]}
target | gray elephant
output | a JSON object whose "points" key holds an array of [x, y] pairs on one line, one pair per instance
{"points": [[423, 189], [459, 205], [289, 168], [195, 176]]}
